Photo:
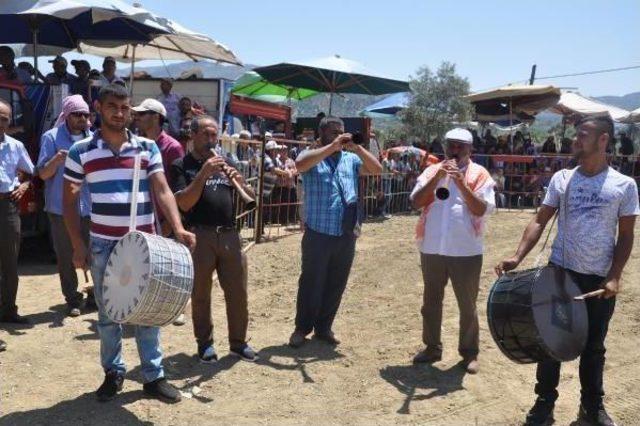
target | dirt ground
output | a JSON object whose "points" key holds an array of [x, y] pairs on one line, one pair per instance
{"points": [[50, 371]]}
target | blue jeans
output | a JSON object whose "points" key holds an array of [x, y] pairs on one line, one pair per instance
{"points": [[147, 338]]}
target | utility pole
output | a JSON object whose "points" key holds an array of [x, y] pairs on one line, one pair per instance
{"points": [[533, 74]]}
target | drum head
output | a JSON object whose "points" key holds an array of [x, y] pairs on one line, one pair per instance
{"points": [[126, 276], [561, 321]]}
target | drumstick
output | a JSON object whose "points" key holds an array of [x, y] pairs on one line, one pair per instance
{"points": [[590, 294], [248, 200]]}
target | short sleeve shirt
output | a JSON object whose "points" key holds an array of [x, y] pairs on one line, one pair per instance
{"points": [[328, 186], [13, 158], [110, 179], [588, 219]]}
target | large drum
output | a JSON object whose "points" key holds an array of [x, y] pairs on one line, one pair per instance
{"points": [[148, 280], [533, 316]]}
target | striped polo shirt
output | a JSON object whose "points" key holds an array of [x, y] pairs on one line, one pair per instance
{"points": [[110, 181]]}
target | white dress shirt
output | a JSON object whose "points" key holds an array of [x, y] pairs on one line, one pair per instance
{"points": [[448, 228]]}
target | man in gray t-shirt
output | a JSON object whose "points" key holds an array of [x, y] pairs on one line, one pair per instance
{"points": [[595, 202]]}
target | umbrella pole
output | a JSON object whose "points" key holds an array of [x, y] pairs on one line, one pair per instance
{"points": [[511, 125], [35, 53], [330, 102], [133, 62]]}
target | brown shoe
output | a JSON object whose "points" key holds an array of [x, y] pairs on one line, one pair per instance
{"points": [[327, 337], [297, 339], [471, 365], [427, 356]]}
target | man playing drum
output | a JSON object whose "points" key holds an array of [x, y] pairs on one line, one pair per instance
{"points": [[594, 201], [450, 235], [106, 161]]}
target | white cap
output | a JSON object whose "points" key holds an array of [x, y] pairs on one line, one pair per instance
{"points": [[272, 145], [268, 135], [459, 135], [151, 105]]}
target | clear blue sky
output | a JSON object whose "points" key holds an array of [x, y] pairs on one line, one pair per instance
{"points": [[491, 42]]}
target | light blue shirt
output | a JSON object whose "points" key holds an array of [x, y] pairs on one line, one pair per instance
{"points": [[13, 158], [51, 142], [328, 186]]}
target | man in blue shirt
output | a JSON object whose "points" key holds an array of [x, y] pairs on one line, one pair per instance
{"points": [[330, 179], [54, 146], [15, 159]]}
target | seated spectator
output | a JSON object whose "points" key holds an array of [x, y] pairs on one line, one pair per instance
{"points": [[626, 144], [82, 84], [549, 146], [60, 74], [565, 146], [8, 69]]}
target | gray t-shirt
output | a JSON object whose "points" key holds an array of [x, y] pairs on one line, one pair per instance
{"points": [[594, 206]]}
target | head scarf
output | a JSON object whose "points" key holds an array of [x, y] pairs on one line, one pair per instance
{"points": [[71, 104]]}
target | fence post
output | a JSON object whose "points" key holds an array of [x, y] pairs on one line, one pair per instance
{"points": [[260, 199]]}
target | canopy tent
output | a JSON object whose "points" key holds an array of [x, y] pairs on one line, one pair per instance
{"points": [[575, 104], [331, 75], [389, 105], [515, 103], [252, 85], [633, 117]]}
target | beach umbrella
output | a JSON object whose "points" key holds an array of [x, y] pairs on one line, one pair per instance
{"points": [[389, 105], [333, 74], [252, 85]]}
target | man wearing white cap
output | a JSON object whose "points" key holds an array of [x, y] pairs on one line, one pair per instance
{"points": [[450, 238], [150, 116]]}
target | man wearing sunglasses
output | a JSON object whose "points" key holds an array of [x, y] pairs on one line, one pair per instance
{"points": [[72, 126]]}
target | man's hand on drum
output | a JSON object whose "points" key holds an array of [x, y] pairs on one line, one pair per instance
{"points": [[507, 265], [80, 257], [187, 238], [611, 288]]}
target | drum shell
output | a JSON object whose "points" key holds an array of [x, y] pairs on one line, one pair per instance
{"points": [[533, 317], [164, 280]]}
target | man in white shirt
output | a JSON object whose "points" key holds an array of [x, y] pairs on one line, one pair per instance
{"points": [[450, 232]]}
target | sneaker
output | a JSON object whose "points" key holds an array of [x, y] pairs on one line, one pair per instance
{"points": [[471, 365], [208, 355], [73, 311], [328, 337], [181, 320], [427, 356], [3, 346], [245, 352], [111, 386], [595, 417], [297, 339], [541, 414], [162, 390]]}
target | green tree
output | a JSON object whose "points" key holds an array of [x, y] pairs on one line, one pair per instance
{"points": [[436, 103]]}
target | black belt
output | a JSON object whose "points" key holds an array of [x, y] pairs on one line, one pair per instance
{"points": [[216, 229]]}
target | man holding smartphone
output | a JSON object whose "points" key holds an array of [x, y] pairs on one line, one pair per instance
{"points": [[330, 177], [72, 126]]}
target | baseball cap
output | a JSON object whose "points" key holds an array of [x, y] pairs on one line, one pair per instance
{"points": [[59, 58], [109, 59], [151, 105], [271, 145], [459, 135], [80, 62]]}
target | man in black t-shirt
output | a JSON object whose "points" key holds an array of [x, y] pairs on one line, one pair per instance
{"points": [[205, 195]]}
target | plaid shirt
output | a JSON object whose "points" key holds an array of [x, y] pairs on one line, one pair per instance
{"points": [[325, 187]]}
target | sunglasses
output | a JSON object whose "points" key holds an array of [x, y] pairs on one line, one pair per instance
{"points": [[80, 114]]}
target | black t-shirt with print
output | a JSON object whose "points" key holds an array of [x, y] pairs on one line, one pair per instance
{"points": [[215, 206]]}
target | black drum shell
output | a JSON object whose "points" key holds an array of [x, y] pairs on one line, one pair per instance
{"points": [[533, 317]]}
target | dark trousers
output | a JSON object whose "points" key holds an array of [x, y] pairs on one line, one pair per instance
{"points": [[599, 312], [9, 249], [326, 263], [64, 255]]}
